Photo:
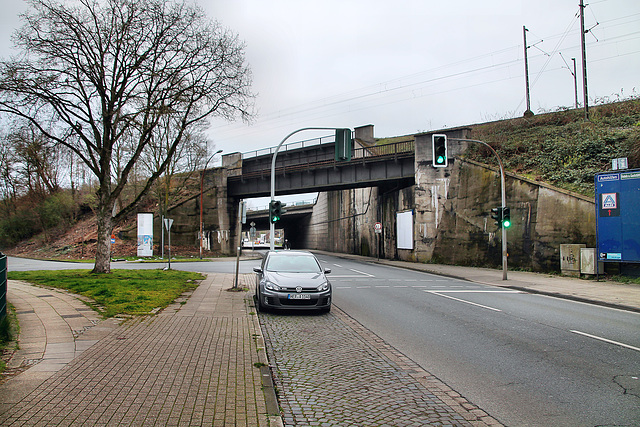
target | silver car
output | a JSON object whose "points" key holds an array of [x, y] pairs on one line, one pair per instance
{"points": [[292, 280]]}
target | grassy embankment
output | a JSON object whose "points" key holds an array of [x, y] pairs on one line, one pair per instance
{"points": [[129, 292]]}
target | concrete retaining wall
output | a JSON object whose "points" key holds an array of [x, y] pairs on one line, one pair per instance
{"points": [[452, 222]]}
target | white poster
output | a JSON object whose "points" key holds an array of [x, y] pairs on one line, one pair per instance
{"points": [[404, 225], [145, 234]]}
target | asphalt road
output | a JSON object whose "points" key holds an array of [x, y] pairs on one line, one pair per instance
{"points": [[528, 360]]}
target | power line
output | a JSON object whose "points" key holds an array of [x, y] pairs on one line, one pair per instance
{"points": [[406, 88]]}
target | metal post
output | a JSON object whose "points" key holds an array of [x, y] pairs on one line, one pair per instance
{"points": [[504, 201], [584, 61], [526, 68], [238, 241], [162, 238], [272, 226], [575, 82], [169, 233]]}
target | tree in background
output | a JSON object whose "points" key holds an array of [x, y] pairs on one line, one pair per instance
{"points": [[101, 77]]}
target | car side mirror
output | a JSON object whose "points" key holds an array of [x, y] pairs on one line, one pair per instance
{"points": [[327, 270], [257, 270]]}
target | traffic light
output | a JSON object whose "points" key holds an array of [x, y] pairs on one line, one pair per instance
{"points": [[506, 217], [439, 145], [496, 214], [502, 216], [275, 211], [343, 145]]}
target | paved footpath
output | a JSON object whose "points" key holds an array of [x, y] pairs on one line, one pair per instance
{"points": [[195, 363]]}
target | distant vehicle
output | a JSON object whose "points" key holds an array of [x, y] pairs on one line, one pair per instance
{"points": [[292, 280]]}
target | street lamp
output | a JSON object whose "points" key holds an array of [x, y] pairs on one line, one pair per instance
{"points": [[503, 196], [201, 191], [272, 227]]}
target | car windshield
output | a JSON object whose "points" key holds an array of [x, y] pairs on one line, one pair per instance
{"points": [[293, 264]]}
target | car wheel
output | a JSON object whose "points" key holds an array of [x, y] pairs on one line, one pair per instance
{"points": [[259, 306]]}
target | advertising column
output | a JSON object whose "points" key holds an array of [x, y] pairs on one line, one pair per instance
{"points": [[145, 234]]}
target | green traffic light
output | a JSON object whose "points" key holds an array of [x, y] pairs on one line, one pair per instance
{"points": [[440, 160], [506, 223]]}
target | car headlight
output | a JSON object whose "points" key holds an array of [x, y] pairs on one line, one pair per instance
{"points": [[323, 287], [271, 286]]}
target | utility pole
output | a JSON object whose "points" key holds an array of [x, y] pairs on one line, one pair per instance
{"points": [[575, 82], [526, 71], [575, 77], [584, 61]]}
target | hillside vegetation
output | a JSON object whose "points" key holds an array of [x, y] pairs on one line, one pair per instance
{"points": [[561, 148]]}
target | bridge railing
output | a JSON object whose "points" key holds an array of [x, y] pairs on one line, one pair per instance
{"points": [[291, 146], [397, 148], [361, 154]]}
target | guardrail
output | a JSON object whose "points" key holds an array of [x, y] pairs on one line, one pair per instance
{"points": [[291, 146], [3, 287]]}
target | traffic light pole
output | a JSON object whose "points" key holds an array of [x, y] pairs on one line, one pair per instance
{"points": [[504, 201], [272, 226]]}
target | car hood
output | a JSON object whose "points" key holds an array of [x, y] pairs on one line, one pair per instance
{"points": [[292, 280]]}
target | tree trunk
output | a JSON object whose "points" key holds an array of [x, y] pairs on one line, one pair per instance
{"points": [[103, 247]]}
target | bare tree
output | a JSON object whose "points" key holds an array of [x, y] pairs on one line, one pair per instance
{"points": [[8, 177], [189, 158], [38, 160], [109, 73]]}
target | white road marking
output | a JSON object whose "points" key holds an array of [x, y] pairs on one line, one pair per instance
{"points": [[482, 291], [439, 293], [595, 337], [362, 272]]}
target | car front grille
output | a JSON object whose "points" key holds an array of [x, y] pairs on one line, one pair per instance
{"points": [[285, 301]]}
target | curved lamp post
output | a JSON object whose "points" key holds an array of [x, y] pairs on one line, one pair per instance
{"points": [[272, 227]]}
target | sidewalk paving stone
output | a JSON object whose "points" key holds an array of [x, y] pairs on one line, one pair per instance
{"points": [[195, 363]]}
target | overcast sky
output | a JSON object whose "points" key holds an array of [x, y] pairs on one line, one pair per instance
{"points": [[408, 66]]}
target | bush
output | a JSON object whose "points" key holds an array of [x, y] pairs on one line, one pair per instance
{"points": [[20, 226]]}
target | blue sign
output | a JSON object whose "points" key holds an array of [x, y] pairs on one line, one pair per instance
{"points": [[618, 216]]}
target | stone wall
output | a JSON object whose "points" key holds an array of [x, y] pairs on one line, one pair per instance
{"points": [[452, 216]]}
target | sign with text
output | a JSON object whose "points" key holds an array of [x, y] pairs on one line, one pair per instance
{"points": [[617, 198], [145, 234]]}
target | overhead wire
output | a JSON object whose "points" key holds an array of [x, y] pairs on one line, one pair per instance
{"points": [[403, 88]]}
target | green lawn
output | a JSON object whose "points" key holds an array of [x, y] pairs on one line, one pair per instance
{"points": [[121, 291]]}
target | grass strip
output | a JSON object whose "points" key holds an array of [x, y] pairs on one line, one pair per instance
{"points": [[132, 292]]}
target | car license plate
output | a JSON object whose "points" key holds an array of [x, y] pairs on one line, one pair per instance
{"points": [[298, 296]]}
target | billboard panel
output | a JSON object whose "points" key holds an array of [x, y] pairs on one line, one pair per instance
{"points": [[145, 234], [404, 224], [618, 216]]}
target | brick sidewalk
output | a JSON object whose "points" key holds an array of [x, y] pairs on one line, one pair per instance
{"points": [[192, 364]]}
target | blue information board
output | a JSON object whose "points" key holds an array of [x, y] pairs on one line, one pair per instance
{"points": [[618, 216]]}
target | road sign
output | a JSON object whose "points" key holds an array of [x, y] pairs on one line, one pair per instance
{"points": [[168, 222], [617, 220], [378, 227]]}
